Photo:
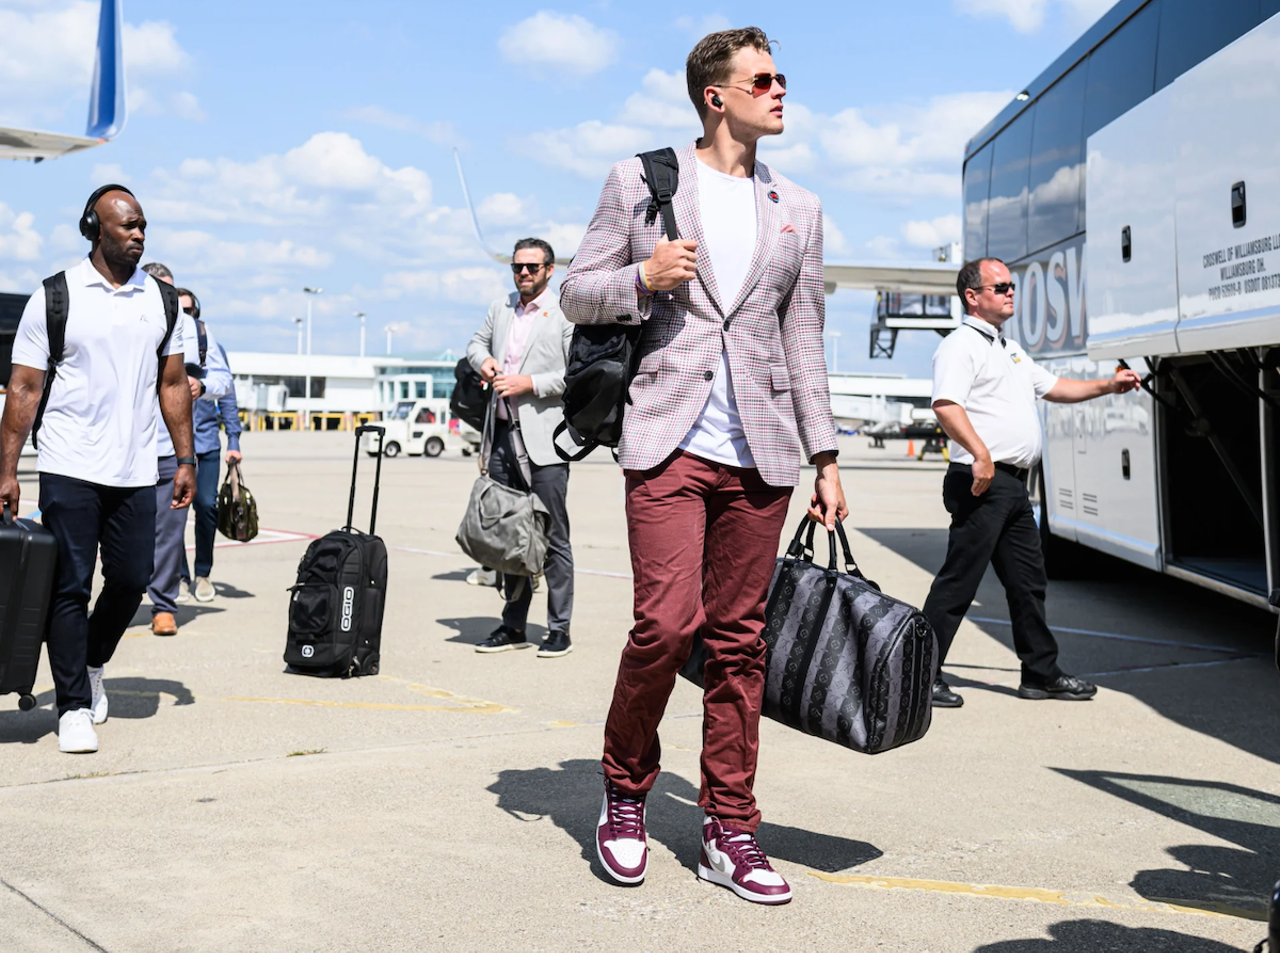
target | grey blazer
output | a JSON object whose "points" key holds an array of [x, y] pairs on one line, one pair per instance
{"points": [[544, 360]]}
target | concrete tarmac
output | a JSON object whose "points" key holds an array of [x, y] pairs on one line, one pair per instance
{"points": [[450, 802]]}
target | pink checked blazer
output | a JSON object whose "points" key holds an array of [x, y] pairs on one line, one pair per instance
{"points": [[772, 332]]}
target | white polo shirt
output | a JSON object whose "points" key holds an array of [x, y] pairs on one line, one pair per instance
{"points": [[997, 384], [100, 423]]}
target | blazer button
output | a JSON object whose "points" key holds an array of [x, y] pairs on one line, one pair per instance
{"points": [[726, 325], [708, 375]]}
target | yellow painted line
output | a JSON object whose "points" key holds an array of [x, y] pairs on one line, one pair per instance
{"points": [[490, 709], [1158, 905]]}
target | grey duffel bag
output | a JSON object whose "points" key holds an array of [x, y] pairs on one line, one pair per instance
{"points": [[845, 662], [505, 528]]}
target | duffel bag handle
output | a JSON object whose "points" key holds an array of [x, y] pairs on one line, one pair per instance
{"points": [[805, 550]]}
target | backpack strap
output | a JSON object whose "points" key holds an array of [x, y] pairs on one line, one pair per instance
{"points": [[203, 337], [168, 295], [56, 307], [662, 175]]}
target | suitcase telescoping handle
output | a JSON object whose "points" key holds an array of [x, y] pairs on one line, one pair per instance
{"points": [[377, 475], [8, 517]]}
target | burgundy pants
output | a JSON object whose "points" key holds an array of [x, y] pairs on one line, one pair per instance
{"points": [[704, 538]]}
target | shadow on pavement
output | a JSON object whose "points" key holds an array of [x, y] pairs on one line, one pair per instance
{"points": [[570, 796], [28, 727], [1087, 936], [184, 616], [457, 575], [478, 628], [227, 591], [140, 697], [1213, 877]]}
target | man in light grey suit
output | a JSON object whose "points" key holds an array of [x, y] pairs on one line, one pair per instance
{"points": [[522, 349]]}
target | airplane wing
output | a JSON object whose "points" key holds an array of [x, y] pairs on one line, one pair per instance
{"points": [[475, 222], [923, 277], [107, 108]]}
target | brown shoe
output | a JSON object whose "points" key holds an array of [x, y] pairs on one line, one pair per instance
{"points": [[162, 623]]}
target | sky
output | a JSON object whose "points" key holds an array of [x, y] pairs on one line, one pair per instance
{"points": [[280, 145]]}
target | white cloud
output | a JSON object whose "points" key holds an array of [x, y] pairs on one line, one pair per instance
{"points": [[47, 55], [477, 286], [109, 172], [502, 208], [568, 42], [18, 239], [439, 131], [931, 234], [662, 101], [699, 27], [1025, 16], [833, 240], [591, 147]]}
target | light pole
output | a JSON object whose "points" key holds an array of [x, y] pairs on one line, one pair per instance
{"points": [[394, 328], [835, 350], [299, 322], [306, 394], [360, 315]]}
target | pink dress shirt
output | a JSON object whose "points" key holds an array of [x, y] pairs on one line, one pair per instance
{"points": [[518, 340]]}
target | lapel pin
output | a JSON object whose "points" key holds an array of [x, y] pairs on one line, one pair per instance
{"points": [[773, 196]]}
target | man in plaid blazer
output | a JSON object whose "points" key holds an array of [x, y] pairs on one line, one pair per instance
{"points": [[729, 398]]}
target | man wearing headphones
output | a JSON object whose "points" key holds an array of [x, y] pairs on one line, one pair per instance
{"points": [[114, 344], [209, 381]]}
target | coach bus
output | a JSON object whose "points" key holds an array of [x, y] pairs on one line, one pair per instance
{"points": [[1134, 190]]}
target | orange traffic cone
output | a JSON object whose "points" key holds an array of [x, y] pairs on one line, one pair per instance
{"points": [[911, 448]]}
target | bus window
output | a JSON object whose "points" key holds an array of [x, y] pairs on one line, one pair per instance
{"points": [[1007, 212], [1057, 163], [977, 183], [1122, 70], [1191, 31]]}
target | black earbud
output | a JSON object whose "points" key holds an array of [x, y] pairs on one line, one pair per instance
{"points": [[716, 100], [90, 227]]}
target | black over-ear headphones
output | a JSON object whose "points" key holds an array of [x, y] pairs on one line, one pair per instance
{"points": [[90, 227], [716, 100]]}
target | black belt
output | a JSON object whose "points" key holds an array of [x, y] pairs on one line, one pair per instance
{"points": [[1018, 472]]}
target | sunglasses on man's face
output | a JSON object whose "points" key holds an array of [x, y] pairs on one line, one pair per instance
{"points": [[761, 82], [532, 267], [1002, 288], [189, 310]]}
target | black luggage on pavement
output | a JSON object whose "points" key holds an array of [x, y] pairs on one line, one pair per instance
{"points": [[28, 560], [603, 357], [470, 398], [335, 613], [846, 662]]}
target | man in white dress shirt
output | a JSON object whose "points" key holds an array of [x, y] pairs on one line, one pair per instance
{"points": [[984, 393]]}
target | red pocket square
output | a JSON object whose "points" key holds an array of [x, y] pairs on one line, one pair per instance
{"points": [[789, 229]]}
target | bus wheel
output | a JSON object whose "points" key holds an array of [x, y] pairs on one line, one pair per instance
{"points": [[434, 447], [392, 449]]}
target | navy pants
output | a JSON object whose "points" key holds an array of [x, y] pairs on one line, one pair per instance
{"points": [[206, 507], [84, 517], [169, 541]]}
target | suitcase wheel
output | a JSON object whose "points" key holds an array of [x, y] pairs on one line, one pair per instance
{"points": [[27, 702], [373, 669]]}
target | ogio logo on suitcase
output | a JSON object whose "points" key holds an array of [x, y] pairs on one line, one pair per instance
{"points": [[348, 599], [308, 651]]}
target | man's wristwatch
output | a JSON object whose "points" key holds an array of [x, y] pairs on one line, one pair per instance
{"points": [[186, 461]]}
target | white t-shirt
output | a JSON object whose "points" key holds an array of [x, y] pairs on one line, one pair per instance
{"points": [[727, 207], [997, 385], [100, 423]]}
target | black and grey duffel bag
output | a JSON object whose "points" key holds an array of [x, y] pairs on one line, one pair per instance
{"points": [[846, 662]]}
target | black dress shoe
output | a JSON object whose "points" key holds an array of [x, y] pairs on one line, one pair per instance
{"points": [[555, 645], [944, 697], [1064, 687], [503, 639]]}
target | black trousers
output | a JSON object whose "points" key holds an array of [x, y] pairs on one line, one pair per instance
{"points": [[83, 517], [999, 528], [551, 485]]}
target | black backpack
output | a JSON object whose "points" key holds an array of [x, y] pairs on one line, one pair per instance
{"points": [[56, 308], [603, 357], [336, 607], [470, 399]]}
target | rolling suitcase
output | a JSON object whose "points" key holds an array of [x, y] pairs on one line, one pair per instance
{"points": [[28, 557], [335, 612]]}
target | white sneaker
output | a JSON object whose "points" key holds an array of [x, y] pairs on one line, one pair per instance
{"points": [[204, 589], [483, 577], [184, 593], [99, 695], [76, 734]]}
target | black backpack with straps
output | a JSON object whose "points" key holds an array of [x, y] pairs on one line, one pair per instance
{"points": [[56, 308], [603, 357]]}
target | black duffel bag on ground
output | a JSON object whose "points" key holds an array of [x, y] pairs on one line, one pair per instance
{"points": [[603, 357], [470, 397], [846, 662]]}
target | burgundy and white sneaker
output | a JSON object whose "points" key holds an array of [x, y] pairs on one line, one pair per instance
{"points": [[620, 841], [733, 859]]}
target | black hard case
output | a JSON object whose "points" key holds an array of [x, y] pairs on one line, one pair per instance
{"points": [[28, 560], [335, 612]]}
